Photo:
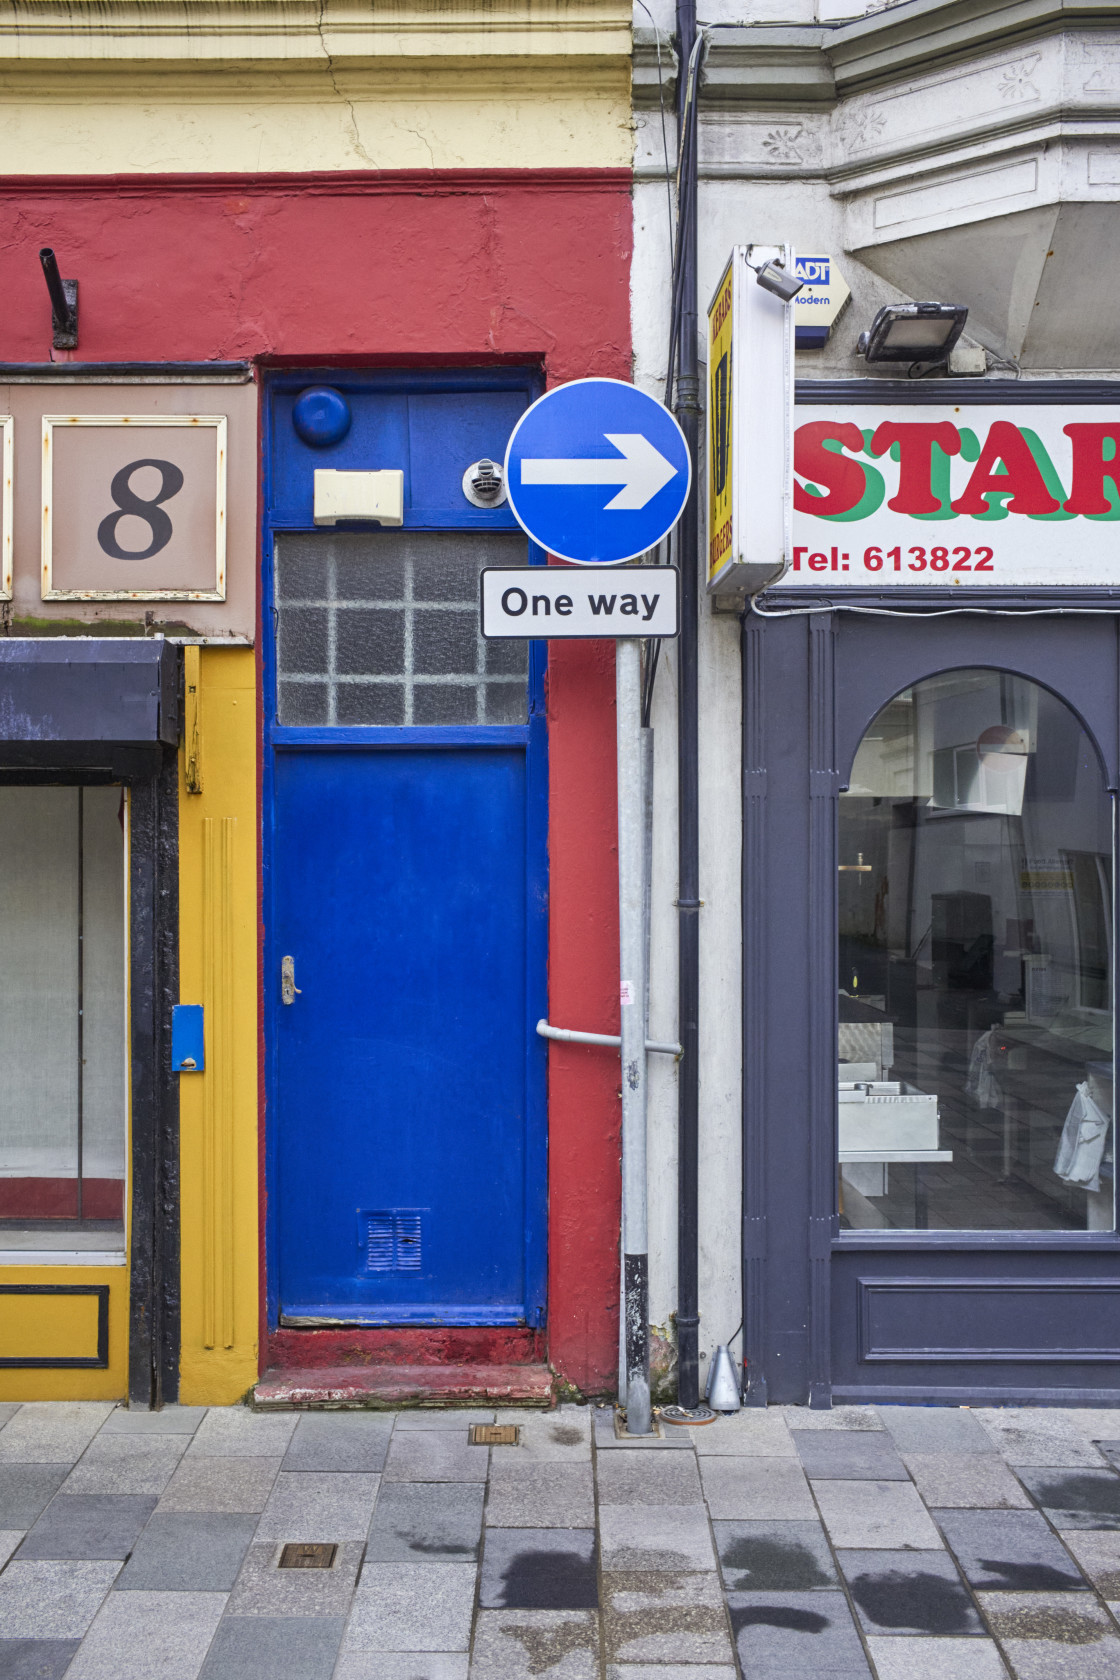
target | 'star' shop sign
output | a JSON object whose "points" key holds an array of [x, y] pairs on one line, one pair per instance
{"points": [[966, 496]]}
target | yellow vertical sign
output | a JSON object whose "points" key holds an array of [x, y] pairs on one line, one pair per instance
{"points": [[719, 420]]}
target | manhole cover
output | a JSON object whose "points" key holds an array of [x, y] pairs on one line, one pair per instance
{"points": [[299, 1554], [494, 1434]]}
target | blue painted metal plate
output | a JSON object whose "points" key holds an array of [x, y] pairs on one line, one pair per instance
{"points": [[188, 1039], [597, 471], [401, 1088]]}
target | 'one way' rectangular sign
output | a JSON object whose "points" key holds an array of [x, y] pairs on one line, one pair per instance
{"points": [[601, 601]]}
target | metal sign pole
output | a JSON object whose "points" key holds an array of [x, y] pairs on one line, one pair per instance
{"points": [[632, 971]]}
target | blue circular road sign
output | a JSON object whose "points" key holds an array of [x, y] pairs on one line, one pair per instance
{"points": [[597, 472]]}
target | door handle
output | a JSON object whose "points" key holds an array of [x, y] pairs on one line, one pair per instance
{"points": [[288, 987]]}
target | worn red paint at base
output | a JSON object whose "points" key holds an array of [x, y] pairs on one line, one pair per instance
{"points": [[407, 268], [408, 1385], [389, 1344]]}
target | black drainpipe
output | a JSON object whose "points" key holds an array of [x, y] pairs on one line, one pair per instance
{"points": [[688, 831]]}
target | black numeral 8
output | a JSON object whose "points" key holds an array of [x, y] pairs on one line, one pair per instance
{"points": [[149, 510]]}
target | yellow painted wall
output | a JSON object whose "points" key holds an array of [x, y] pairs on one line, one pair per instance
{"points": [[218, 1111], [59, 1325], [129, 87]]}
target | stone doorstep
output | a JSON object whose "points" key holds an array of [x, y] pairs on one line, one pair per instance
{"points": [[405, 1385]]}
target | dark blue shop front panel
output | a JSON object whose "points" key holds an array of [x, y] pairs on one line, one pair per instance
{"points": [[401, 1092]]}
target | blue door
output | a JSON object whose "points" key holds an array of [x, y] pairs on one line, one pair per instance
{"points": [[406, 881]]}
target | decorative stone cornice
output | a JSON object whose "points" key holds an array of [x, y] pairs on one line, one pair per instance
{"points": [[278, 34]]}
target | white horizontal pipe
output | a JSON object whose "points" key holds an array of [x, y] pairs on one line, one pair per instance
{"points": [[568, 1035]]}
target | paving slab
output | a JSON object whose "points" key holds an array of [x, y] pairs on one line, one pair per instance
{"points": [[1012, 1551], [540, 1496], [52, 1600], [1026, 1436], [547, 1644], [1098, 1553], [262, 1588], [412, 1607], [417, 1520], [220, 1484], [35, 1659], [968, 1480], [652, 1616], [788, 1633], [935, 1429], [559, 1437], [648, 1479], [840, 1417], [1076, 1498], [171, 1420], [936, 1659], [26, 1490], [756, 1488], [909, 1593], [774, 1556], [9, 1540], [755, 1431], [539, 1569], [670, 1671], [339, 1441], [8, 1411], [849, 1455], [234, 1432], [1111, 1451], [188, 1551], [308, 1506], [126, 1464], [637, 1537], [435, 1456], [88, 1525], [447, 1418], [392, 1665], [862, 1515], [673, 1437], [148, 1636], [52, 1431], [273, 1648], [1054, 1636]]}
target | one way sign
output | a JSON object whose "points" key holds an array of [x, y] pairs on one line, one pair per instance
{"points": [[597, 472], [553, 601]]}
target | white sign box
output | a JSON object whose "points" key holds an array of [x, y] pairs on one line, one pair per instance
{"points": [[965, 496], [548, 602]]}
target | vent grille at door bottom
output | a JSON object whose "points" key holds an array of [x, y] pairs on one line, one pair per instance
{"points": [[390, 1238]]}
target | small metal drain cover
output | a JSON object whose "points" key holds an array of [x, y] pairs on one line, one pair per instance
{"points": [[494, 1435], [298, 1554]]}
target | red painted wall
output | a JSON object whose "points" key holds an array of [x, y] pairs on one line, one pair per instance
{"points": [[410, 267]]}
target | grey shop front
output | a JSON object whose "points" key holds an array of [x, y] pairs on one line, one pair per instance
{"points": [[931, 762]]}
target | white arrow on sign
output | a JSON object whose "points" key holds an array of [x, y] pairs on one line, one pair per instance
{"points": [[642, 471]]}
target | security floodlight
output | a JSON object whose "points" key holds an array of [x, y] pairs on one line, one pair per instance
{"points": [[913, 332], [773, 277]]}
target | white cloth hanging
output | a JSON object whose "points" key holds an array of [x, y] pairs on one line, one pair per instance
{"points": [[1083, 1141], [982, 1085]]}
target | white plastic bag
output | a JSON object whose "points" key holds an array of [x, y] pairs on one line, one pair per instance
{"points": [[1083, 1141]]}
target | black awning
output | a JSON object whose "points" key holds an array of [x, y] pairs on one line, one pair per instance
{"points": [[87, 702]]}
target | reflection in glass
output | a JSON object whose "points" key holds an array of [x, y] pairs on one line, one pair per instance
{"points": [[975, 987], [63, 1097]]}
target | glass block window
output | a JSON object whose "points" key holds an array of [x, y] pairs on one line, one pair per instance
{"points": [[382, 628]]}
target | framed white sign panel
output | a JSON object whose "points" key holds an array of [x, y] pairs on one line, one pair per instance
{"points": [[134, 507], [7, 431], [968, 495]]}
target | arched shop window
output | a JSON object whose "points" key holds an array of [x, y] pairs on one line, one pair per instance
{"points": [[975, 876]]}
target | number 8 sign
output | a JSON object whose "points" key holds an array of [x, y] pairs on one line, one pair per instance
{"points": [[134, 507]]}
